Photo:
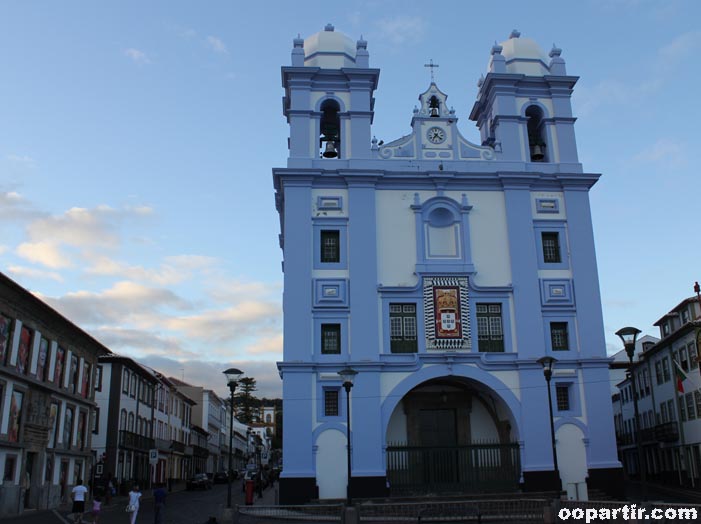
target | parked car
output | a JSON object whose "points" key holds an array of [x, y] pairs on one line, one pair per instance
{"points": [[220, 477], [199, 481]]}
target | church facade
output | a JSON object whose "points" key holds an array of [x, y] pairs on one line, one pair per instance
{"points": [[441, 271]]}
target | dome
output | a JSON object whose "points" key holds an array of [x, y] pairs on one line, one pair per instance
{"points": [[329, 49], [524, 56]]}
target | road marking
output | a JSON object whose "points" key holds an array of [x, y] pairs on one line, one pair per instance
{"points": [[60, 517]]}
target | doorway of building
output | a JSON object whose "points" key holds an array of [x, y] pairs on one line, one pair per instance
{"points": [[449, 435]]}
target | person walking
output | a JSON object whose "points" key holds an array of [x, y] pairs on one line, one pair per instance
{"points": [[78, 494], [109, 489], [134, 496], [96, 509], [159, 502]]}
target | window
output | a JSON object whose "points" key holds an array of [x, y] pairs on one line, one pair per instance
{"points": [[73, 384], [5, 338], [330, 403], [690, 411], [132, 391], [562, 394], [658, 372], [663, 411], [402, 324], [98, 378], [693, 357], [123, 420], [551, 247], [685, 316], [68, 428], [670, 409], [13, 430], [330, 339], [682, 409], [60, 364], [665, 369], [131, 422], [10, 463], [330, 246], [683, 361], [558, 336], [490, 335], [125, 382], [25, 345], [96, 421], [42, 360]]}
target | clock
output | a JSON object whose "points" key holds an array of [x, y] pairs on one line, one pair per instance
{"points": [[435, 135]]}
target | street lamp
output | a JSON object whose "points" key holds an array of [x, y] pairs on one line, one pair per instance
{"points": [[629, 335], [232, 378], [547, 363], [347, 376]]}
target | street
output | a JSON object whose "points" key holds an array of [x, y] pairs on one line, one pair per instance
{"points": [[182, 507]]}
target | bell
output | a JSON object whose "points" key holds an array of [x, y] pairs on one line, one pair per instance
{"points": [[330, 150], [537, 153], [434, 112]]}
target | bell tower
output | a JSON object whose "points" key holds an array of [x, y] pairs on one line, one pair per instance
{"points": [[328, 98], [523, 107]]}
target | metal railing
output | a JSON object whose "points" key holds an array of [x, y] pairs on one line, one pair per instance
{"points": [[130, 440], [471, 468]]}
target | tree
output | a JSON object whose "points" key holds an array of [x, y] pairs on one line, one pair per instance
{"points": [[246, 400]]}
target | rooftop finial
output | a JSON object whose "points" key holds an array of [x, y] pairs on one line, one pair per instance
{"points": [[432, 66], [329, 27], [555, 51], [515, 33], [496, 48]]}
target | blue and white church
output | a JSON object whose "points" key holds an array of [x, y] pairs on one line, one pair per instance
{"points": [[442, 272]]}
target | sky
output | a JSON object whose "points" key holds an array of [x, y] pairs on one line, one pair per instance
{"points": [[137, 141]]}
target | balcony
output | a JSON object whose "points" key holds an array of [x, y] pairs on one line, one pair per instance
{"points": [[198, 451], [163, 444], [667, 432], [177, 447], [130, 440]]}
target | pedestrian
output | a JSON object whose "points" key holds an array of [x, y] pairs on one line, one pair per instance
{"points": [[159, 501], [134, 496], [96, 509], [78, 494]]}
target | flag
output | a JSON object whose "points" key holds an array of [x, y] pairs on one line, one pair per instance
{"points": [[681, 376]]}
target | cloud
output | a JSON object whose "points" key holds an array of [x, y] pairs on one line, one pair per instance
{"points": [[209, 373], [402, 29], [47, 254], [246, 318], [670, 152], [77, 227], [14, 207], [272, 345], [173, 270], [139, 57], [21, 159], [123, 304], [633, 93], [28, 272], [216, 44], [141, 342]]}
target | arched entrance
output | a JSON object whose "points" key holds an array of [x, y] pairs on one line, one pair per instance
{"points": [[452, 435]]}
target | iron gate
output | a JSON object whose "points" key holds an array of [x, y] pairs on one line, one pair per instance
{"points": [[467, 469]]}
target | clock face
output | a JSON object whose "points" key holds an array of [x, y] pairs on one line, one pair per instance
{"points": [[435, 135]]}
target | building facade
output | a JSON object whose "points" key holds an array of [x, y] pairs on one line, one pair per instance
{"points": [[47, 407], [669, 405], [125, 394], [441, 271]]}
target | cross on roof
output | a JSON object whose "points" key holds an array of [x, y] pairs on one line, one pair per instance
{"points": [[432, 66]]}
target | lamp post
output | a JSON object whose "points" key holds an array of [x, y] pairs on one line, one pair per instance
{"points": [[629, 335], [347, 376], [547, 363], [232, 378]]}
